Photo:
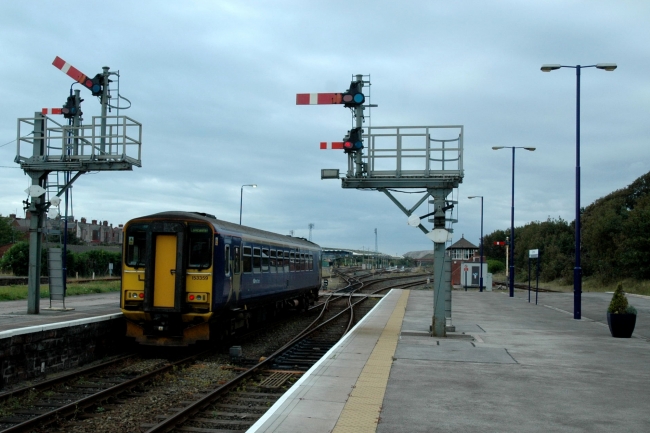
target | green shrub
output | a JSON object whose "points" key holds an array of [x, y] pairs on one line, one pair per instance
{"points": [[16, 260], [630, 310], [94, 261], [496, 266], [618, 304]]}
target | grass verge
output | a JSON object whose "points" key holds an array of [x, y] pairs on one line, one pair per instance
{"points": [[589, 284], [13, 293]]}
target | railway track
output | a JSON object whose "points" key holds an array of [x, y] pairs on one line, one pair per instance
{"points": [[75, 392], [234, 405], [521, 286]]}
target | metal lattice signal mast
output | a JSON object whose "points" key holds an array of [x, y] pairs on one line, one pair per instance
{"points": [[311, 227], [70, 148], [417, 160]]}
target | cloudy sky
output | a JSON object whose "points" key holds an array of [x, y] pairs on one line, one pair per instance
{"points": [[214, 85]]}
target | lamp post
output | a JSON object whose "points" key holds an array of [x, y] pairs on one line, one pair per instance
{"points": [[480, 284], [241, 198], [512, 217], [577, 270]]}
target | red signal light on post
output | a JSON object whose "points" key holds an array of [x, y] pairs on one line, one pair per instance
{"points": [[353, 141]]}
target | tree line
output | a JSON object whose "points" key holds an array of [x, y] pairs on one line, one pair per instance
{"points": [[86, 264], [615, 239]]}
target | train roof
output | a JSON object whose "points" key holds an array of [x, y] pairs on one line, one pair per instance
{"points": [[225, 226]]}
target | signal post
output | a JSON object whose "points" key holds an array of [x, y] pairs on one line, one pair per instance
{"points": [[404, 157], [44, 145]]}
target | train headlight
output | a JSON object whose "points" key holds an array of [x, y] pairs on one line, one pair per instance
{"points": [[134, 295], [197, 297]]}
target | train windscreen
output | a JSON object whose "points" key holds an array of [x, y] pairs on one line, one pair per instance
{"points": [[136, 245], [200, 247]]}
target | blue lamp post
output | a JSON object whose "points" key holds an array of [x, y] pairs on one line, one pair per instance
{"points": [[241, 198], [480, 284], [512, 217], [577, 270]]}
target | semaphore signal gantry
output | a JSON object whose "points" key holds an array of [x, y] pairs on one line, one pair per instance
{"points": [[45, 146], [403, 157]]}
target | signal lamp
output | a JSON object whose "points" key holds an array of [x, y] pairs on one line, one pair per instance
{"points": [[353, 141], [95, 85], [353, 96], [70, 108]]}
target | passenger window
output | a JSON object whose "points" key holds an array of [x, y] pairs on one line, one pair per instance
{"points": [[273, 261], [248, 260], [285, 262], [227, 261], [302, 262], [257, 260], [292, 261], [265, 260]]}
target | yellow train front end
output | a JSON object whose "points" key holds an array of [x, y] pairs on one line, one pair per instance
{"points": [[167, 280]]}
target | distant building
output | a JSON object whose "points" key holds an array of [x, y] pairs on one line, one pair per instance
{"points": [[421, 258], [459, 253], [96, 233], [90, 233]]}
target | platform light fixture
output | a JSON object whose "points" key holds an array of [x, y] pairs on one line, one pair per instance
{"points": [[577, 270], [512, 218], [241, 198]]}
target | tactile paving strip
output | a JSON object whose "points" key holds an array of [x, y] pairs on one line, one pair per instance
{"points": [[361, 411]]}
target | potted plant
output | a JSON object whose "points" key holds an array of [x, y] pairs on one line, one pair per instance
{"points": [[621, 317]]}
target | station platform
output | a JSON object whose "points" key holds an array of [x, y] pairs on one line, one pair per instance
{"points": [[510, 366], [13, 314]]}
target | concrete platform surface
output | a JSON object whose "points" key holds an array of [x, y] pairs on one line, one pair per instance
{"points": [[13, 314], [510, 366], [529, 369]]}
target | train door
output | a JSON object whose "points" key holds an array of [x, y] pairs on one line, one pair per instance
{"points": [[227, 269], [236, 266], [232, 268], [165, 271], [164, 274]]}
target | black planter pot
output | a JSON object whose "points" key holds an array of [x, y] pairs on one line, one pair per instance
{"points": [[621, 325]]}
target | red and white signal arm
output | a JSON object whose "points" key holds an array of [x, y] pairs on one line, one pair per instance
{"points": [[46, 111], [499, 243], [70, 70], [333, 145], [318, 98]]}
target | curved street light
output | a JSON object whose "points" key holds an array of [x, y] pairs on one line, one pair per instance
{"points": [[577, 270], [241, 198]]}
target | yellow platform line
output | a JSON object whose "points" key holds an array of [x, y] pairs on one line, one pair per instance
{"points": [[361, 411]]}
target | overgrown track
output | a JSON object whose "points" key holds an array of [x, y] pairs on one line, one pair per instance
{"points": [[70, 394], [521, 286]]}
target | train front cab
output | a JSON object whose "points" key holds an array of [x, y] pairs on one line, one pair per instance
{"points": [[167, 281]]}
